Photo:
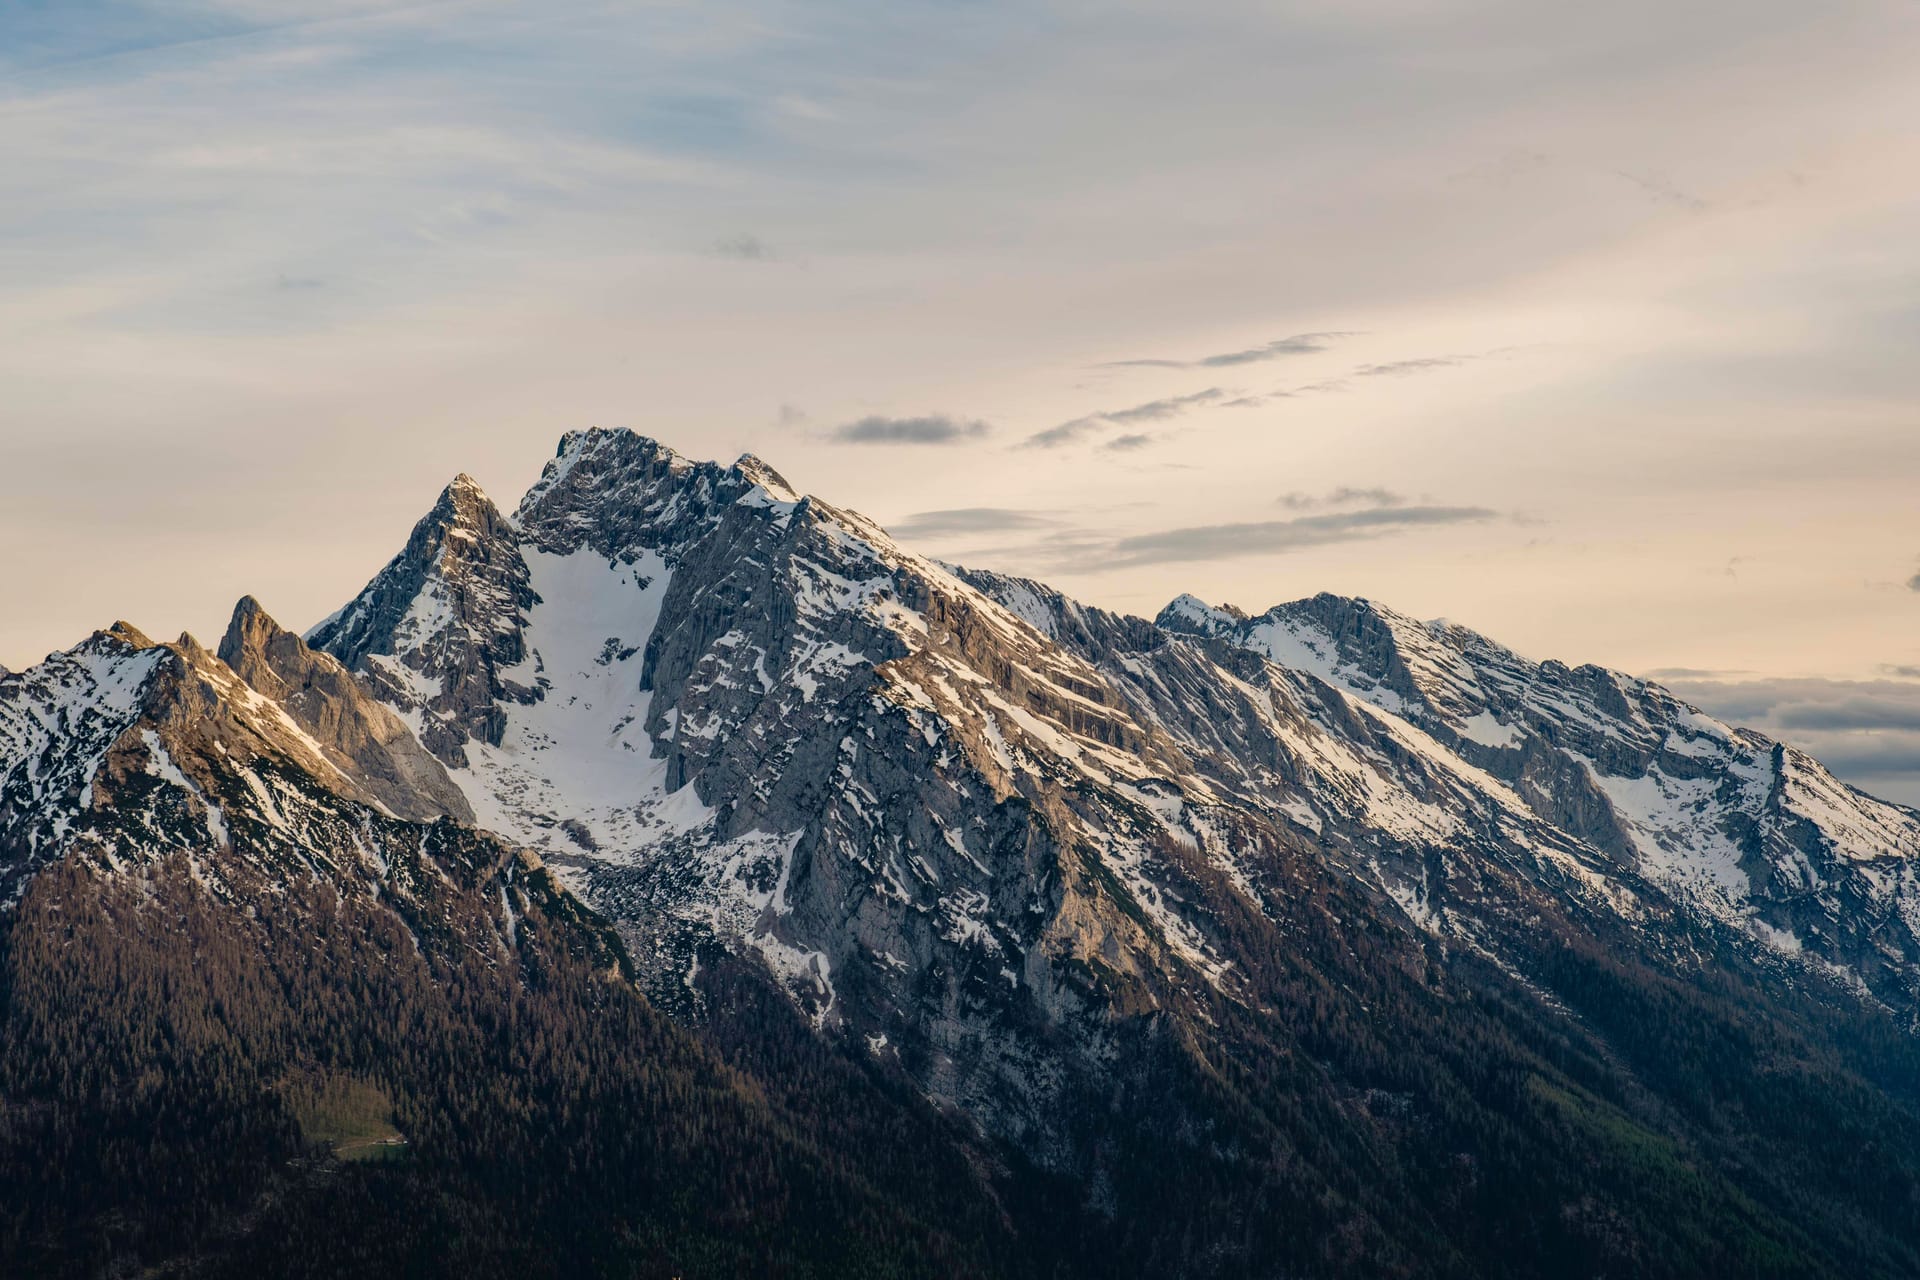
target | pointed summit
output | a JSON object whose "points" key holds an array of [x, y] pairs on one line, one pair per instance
{"points": [[622, 493], [359, 736], [247, 633], [464, 508], [463, 541], [251, 635], [758, 472], [447, 613], [125, 631], [1189, 613]]}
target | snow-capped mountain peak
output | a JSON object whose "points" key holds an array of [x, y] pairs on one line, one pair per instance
{"points": [[1103, 888], [735, 716]]}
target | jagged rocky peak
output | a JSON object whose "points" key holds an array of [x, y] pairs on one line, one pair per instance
{"points": [[758, 472], [434, 628], [118, 715], [1191, 613], [465, 528], [623, 494], [1749, 833], [129, 634], [463, 542], [358, 735], [58, 719], [932, 799], [251, 632], [463, 505], [309, 716], [1352, 641]]}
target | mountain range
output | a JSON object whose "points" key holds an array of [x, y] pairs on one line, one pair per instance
{"points": [[678, 876]]}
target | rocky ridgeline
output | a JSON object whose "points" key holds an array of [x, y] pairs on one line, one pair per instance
{"points": [[1739, 828], [964, 819], [264, 769], [1316, 899]]}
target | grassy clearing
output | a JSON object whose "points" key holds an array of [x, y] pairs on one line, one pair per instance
{"points": [[352, 1117]]}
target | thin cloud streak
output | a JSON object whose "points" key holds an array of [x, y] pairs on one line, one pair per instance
{"points": [[1384, 369], [1343, 496], [1268, 537], [1152, 411], [969, 520], [1400, 368], [1299, 344], [928, 429]]}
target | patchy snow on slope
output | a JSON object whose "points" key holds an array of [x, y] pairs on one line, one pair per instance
{"points": [[1859, 827], [1486, 729], [1680, 833], [58, 720], [161, 766], [576, 769]]}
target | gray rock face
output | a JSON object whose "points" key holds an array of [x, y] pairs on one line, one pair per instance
{"points": [[758, 727], [980, 829], [1733, 824], [460, 585]]}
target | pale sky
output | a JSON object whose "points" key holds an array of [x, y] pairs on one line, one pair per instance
{"points": [[1589, 326]]}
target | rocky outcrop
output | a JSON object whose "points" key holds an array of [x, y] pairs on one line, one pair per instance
{"points": [[360, 736], [434, 631]]}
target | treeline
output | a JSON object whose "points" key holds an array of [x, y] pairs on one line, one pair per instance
{"points": [[158, 1049]]}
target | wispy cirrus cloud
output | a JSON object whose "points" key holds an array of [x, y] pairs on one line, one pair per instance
{"points": [[970, 520], [1299, 344], [1406, 368], [1344, 496], [1401, 368], [1344, 514], [744, 247], [932, 428], [1267, 537], [1090, 424], [1429, 364], [1260, 399]]}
